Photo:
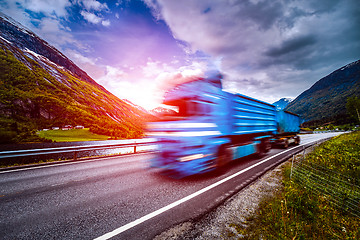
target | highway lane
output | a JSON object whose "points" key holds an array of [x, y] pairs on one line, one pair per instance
{"points": [[85, 200]]}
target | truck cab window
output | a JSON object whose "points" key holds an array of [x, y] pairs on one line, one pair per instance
{"points": [[185, 108]]}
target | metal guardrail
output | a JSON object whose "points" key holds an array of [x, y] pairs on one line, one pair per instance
{"points": [[71, 152], [74, 149]]}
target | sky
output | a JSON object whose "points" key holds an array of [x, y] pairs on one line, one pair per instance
{"points": [[136, 49]]}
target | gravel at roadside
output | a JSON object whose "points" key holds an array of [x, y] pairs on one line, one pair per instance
{"points": [[217, 224]]}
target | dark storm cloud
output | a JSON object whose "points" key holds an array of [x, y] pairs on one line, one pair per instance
{"points": [[296, 52], [264, 14], [287, 45], [291, 45]]}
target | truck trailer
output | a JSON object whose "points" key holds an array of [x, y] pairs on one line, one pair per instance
{"points": [[288, 126], [209, 127]]}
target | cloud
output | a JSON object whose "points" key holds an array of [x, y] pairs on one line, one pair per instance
{"points": [[90, 12], [49, 25], [51, 30], [154, 68], [105, 23], [21, 10], [167, 80], [91, 17], [258, 41], [90, 65], [11, 9], [166, 75], [94, 5], [48, 7], [114, 73], [291, 45], [91, 7]]}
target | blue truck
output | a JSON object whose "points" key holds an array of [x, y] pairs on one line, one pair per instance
{"points": [[208, 127]]}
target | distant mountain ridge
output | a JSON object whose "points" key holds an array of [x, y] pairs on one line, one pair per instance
{"points": [[327, 97], [40, 87], [282, 103]]}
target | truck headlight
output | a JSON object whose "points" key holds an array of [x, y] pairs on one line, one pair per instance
{"points": [[191, 157]]}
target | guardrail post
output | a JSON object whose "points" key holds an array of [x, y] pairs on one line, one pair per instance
{"points": [[292, 162], [135, 148], [304, 153], [75, 155]]}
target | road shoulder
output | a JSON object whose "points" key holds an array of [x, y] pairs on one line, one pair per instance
{"points": [[218, 224]]}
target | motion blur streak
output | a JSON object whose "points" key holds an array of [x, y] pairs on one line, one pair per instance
{"points": [[182, 125], [185, 134]]}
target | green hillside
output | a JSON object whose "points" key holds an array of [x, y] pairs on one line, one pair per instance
{"points": [[41, 88], [31, 98], [326, 99]]}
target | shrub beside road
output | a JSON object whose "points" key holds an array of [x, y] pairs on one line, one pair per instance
{"points": [[320, 200]]}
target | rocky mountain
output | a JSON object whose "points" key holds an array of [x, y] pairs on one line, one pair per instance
{"points": [[40, 87], [327, 98], [282, 103]]}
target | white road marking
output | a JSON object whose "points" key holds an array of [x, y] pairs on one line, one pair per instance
{"points": [[178, 202]]}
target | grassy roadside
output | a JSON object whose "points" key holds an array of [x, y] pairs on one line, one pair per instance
{"points": [[72, 135], [321, 200]]}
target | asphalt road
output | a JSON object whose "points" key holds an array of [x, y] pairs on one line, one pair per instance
{"points": [[117, 197]]}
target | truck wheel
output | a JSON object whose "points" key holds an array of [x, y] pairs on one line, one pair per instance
{"points": [[286, 143], [224, 156], [265, 146]]}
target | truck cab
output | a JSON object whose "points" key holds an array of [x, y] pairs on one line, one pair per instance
{"points": [[189, 138]]}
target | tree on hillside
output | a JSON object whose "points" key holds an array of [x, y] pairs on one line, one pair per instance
{"points": [[353, 107]]}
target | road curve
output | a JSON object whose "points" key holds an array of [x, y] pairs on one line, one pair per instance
{"points": [[117, 197]]}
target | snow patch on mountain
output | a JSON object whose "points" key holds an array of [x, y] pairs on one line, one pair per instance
{"points": [[282, 103], [5, 40], [350, 65]]}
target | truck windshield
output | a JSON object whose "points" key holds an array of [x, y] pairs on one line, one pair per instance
{"points": [[184, 108]]}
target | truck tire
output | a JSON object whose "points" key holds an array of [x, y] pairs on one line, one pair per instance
{"points": [[265, 146], [262, 148], [286, 143]]}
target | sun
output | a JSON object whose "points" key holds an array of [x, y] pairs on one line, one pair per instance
{"points": [[145, 95]]}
